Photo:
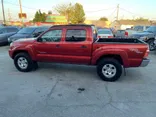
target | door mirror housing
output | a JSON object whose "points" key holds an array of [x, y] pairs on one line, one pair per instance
{"points": [[39, 39]]}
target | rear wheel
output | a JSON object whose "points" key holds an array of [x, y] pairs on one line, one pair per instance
{"points": [[109, 69], [23, 62]]}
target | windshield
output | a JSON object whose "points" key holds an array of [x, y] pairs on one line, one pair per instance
{"points": [[151, 29], [27, 30], [103, 31]]}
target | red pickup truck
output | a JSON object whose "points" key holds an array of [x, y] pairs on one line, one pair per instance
{"points": [[76, 44]]}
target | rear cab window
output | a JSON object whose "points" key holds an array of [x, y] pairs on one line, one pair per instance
{"points": [[75, 35]]}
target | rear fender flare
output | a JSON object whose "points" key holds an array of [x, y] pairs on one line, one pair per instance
{"points": [[104, 52]]}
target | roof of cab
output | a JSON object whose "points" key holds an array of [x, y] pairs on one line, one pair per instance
{"points": [[72, 25]]}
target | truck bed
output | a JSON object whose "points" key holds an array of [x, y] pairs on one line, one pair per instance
{"points": [[132, 50], [119, 40]]}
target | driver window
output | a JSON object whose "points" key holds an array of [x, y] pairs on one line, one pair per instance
{"points": [[52, 36]]}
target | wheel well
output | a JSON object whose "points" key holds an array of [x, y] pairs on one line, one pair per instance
{"points": [[19, 51], [117, 57]]}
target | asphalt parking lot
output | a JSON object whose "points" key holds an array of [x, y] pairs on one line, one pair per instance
{"points": [[52, 91]]}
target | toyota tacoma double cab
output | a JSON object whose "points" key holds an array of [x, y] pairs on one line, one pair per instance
{"points": [[75, 44]]}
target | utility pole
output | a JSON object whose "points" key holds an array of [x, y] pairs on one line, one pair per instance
{"points": [[9, 14], [21, 11], [4, 21], [117, 17]]}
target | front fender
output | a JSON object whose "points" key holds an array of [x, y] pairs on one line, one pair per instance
{"points": [[27, 48], [97, 54]]}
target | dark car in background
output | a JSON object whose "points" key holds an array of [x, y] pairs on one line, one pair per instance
{"points": [[28, 32], [6, 32], [148, 36]]}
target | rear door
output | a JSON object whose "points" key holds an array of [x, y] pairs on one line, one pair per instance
{"points": [[77, 46]]}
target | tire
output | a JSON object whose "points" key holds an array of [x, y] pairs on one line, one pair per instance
{"points": [[107, 74], [28, 63], [35, 65], [151, 45]]}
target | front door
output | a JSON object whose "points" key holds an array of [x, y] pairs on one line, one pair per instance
{"points": [[48, 47], [77, 46]]}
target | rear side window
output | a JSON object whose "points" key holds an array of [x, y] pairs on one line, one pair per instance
{"points": [[76, 35], [12, 29], [3, 30]]}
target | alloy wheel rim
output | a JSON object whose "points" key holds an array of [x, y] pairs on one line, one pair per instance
{"points": [[109, 70], [22, 62]]}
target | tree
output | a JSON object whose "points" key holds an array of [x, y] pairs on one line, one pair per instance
{"points": [[65, 10], [74, 13], [39, 17], [78, 14], [49, 12], [141, 19], [103, 19]]}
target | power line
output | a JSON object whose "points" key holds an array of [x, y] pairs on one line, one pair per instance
{"points": [[7, 2], [130, 12], [100, 10], [112, 12]]}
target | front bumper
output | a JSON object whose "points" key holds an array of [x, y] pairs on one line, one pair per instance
{"points": [[145, 62]]}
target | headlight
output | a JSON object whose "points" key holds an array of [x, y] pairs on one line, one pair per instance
{"points": [[11, 44], [144, 38], [8, 39]]}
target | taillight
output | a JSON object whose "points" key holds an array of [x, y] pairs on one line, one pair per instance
{"points": [[147, 53], [99, 36], [110, 36], [126, 34]]}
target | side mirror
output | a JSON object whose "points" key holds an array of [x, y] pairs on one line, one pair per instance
{"points": [[39, 39]]}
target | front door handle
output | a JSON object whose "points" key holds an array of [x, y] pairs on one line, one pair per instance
{"points": [[83, 46], [57, 46]]}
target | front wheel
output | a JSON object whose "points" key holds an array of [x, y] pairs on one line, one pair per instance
{"points": [[109, 69], [23, 62]]}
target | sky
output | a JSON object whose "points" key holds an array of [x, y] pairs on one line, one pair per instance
{"points": [[94, 9]]}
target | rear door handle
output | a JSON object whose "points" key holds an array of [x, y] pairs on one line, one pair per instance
{"points": [[57, 46], [83, 46]]}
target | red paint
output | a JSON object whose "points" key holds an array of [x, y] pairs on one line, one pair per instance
{"points": [[85, 52]]}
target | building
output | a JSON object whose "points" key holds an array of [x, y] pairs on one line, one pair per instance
{"points": [[54, 19], [98, 23], [123, 24]]}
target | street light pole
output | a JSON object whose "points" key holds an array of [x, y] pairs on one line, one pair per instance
{"points": [[4, 21]]}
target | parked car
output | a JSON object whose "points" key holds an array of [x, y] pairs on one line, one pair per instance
{"points": [[75, 44], [105, 33], [148, 36], [28, 32], [140, 28], [121, 34], [128, 32], [6, 32]]}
